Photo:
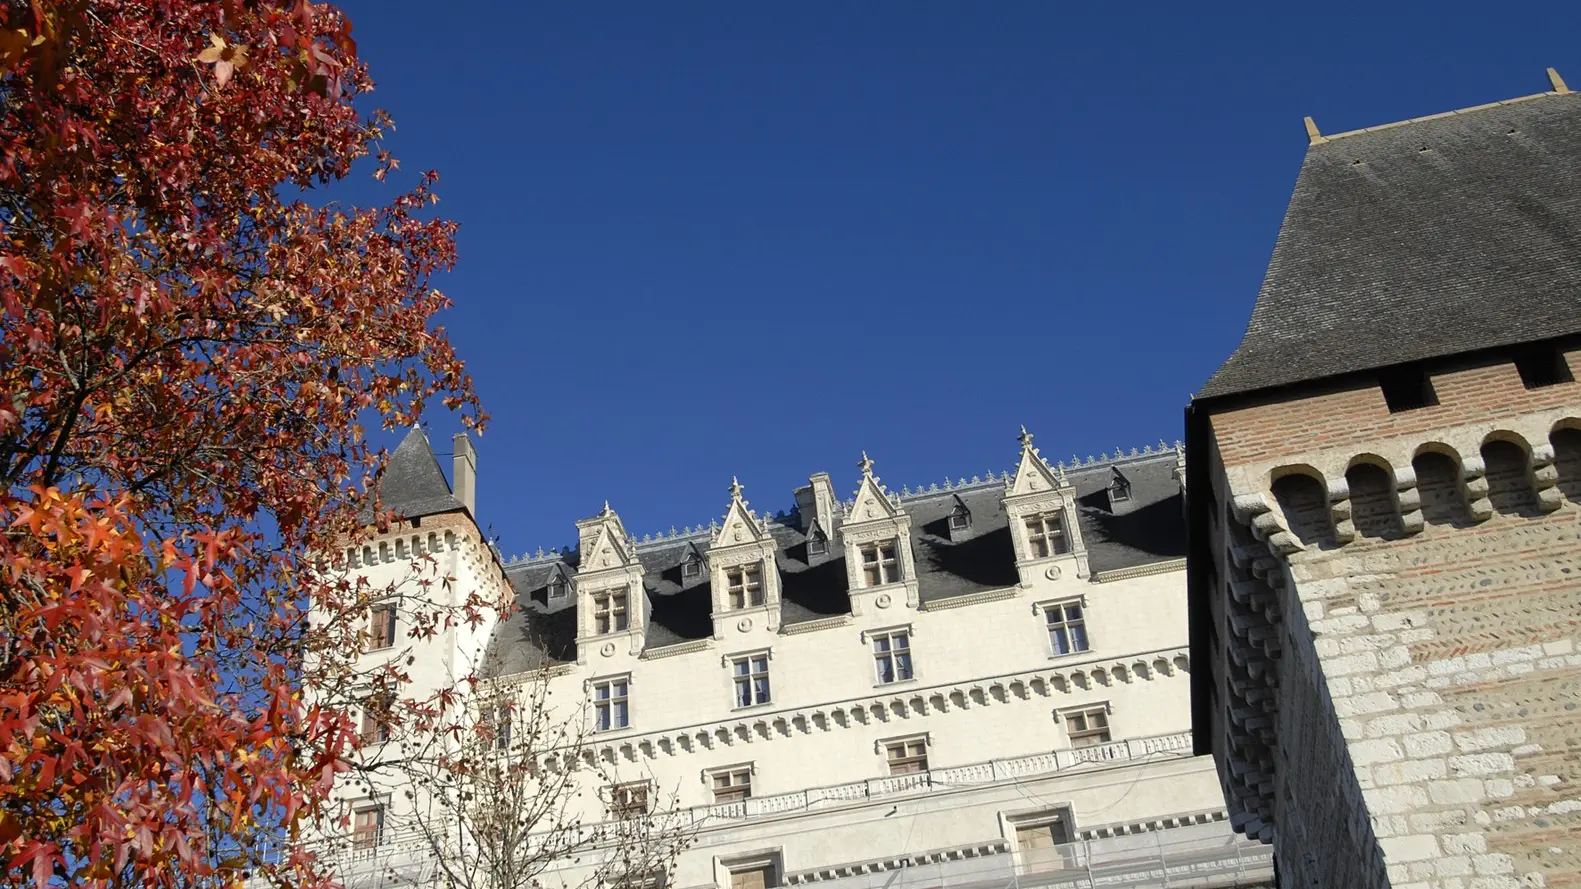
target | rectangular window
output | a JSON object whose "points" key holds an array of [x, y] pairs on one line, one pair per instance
{"points": [[692, 567], [629, 800], [375, 727], [609, 613], [751, 676], [610, 710], [744, 586], [381, 627], [907, 756], [960, 519], [1039, 844], [1067, 628], [498, 721], [558, 588], [879, 565], [1087, 728], [1046, 535], [731, 785], [817, 545], [892, 656], [751, 877], [367, 824]]}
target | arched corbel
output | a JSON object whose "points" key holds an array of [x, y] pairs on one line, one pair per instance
{"points": [[1475, 474], [1545, 477], [1339, 507], [1408, 499]]}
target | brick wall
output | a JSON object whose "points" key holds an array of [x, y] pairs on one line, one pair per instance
{"points": [[1430, 626]]}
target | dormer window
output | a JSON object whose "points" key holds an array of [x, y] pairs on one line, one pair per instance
{"points": [[1119, 488], [692, 567], [960, 518], [609, 613], [817, 544], [558, 588], [1046, 535], [879, 565], [744, 586]]}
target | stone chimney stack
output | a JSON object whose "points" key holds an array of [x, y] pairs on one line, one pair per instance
{"points": [[464, 471]]}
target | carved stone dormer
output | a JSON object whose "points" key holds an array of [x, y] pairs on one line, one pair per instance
{"points": [[742, 570], [1041, 508], [611, 606], [876, 536]]}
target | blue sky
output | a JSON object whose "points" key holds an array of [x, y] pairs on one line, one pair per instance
{"points": [[710, 239]]}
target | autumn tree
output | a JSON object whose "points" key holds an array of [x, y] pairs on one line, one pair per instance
{"points": [[521, 799], [192, 345]]}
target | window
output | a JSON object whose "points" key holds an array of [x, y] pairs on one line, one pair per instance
{"points": [[892, 656], [960, 518], [752, 877], [751, 676], [1045, 535], [817, 544], [558, 588], [629, 800], [498, 720], [1067, 627], [1407, 388], [381, 627], [907, 755], [878, 563], [609, 613], [1542, 364], [731, 785], [1119, 488], [1087, 728], [367, 823], [610, 708], [744, 586], [692, 567], [375, 721], [1039, 843]]}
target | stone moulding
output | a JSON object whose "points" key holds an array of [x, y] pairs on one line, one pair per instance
{"points": [[970, 599], [1139, 571], [1056, 679]]}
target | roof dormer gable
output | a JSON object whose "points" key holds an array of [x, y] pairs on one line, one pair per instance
{"points": [[872, 503], [741, 524], [1033, 475], [604, 543]]}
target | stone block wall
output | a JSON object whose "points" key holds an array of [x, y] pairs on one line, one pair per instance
{"points": [[1421, 573]]}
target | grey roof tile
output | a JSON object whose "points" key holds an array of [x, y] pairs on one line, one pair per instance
{"points": [[1145, 529], [413, 485], [1418, 240]]}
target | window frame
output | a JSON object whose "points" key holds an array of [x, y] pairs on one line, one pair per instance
{"points": [[817, 544], [1059, 607], [691, 566], [629, 800], [1052, 544], [611, 611], [381, 627], [1088, 735], [373, 729], [610, 701], [877, 565], [746, 581], [913, 754], [892, 654], [748, 680], [367, 837], [732, 785], [559, 587], [964, 515]]}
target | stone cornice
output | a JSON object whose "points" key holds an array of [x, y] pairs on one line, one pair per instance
{"points": [[664, 651], [1140, 571], [1060, 677], [995, 846], [813, 626], [971, 599]]}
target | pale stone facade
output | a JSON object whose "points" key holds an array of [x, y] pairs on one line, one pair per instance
{"points": [[1384, 511], [1020, 641]]}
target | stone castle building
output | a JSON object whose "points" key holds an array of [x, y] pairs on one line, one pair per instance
{"points": [[1385, 513], [984, 681]]}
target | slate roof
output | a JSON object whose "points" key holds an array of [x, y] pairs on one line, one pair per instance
{"points": [[1423, 239], [1147, 528], [413, 485]]}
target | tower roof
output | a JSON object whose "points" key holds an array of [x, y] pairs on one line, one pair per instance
{"points": [[1421, 239], [413, 484]]}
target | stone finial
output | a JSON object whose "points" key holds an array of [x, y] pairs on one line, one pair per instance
{"points": [[1025, 437], [1557, 82], [735, 488], [865, 464]]}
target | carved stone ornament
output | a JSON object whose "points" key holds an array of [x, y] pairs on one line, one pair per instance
{"points": [[882, 600], [607, 649], [744, 624], [1052, 572]]}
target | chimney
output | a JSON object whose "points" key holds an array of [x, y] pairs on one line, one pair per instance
{"points": [[817, 501], [464, 472]]}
